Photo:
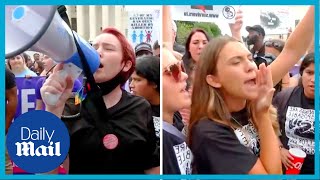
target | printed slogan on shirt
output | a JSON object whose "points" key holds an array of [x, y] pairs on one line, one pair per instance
{"points": [[299, 128]]}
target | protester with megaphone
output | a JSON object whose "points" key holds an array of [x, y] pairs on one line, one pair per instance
{"points": [[115, 133]]}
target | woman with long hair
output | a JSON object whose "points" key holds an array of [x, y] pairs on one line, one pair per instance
{"points": [[233, 127], [195, 43]]}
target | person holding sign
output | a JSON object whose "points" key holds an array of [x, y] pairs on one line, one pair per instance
{"points": [[233, 126], [115, 133]]}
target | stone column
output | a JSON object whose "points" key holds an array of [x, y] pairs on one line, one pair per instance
{"points": [[92, 22], [105, 16], [80, 20]]}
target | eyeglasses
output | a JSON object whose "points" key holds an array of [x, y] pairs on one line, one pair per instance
{"points": [[175, 70], [275, 45]]}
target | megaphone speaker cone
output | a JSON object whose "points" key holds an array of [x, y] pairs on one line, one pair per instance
{"points": [[24, 26]]}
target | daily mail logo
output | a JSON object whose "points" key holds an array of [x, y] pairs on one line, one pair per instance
{"points": [[28, 148], [38, 142]]}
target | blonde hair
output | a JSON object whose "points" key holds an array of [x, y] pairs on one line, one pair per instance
{"points": [[167, 52]]}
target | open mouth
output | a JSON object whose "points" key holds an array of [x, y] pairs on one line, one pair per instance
{"points": [[184, 89], [100, 66], [251, 81]]}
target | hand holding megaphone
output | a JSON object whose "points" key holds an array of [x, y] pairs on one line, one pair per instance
{"points": [[57, 88], [41, 29]]}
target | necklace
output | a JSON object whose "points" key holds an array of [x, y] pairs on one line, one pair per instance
{"points": [[241, 133], [234, 119], [247, 136]]}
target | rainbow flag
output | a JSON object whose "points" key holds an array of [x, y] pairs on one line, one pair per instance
{"points": [[79, 96]]}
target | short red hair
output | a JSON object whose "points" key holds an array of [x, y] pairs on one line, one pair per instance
{"points": [[127, 51]]}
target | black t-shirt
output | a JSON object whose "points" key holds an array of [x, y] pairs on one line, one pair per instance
{"points": [[156, 120], [217, 150], [155, 110], [131, 121], [177, 121], [297, 125], [177, 156], [247, 134], [10, 79]]}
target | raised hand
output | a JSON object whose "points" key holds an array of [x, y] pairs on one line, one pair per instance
{"points": [[57, 84], [236, 27], [265, 90]]}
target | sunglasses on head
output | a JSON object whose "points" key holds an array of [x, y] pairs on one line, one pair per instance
{"points": [[175, 70], [274, 45]]}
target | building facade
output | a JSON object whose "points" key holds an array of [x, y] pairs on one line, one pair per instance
{"points": [[88, 21]]}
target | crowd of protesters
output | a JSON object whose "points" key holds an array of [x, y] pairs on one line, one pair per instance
{"points": [[228, 107]]}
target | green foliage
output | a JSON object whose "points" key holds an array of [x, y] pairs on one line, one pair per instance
{"points": [[185, 27]]}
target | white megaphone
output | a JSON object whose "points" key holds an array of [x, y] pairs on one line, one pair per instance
{"points": [[41, 29]]}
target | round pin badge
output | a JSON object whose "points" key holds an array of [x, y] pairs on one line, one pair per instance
{"points": [[110, 141]]}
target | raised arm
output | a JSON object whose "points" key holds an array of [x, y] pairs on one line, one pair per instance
{"points": [[235, 27], [270, 160], [295, 47], [167, 27]]}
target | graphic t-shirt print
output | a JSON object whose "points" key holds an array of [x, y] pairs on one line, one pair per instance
{"points": [[184, 157], [156, 122], [248, 136], [299, 128]]}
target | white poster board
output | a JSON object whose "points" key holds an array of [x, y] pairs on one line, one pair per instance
{"points": [[275, 20], [204, 13], [144, 27]]}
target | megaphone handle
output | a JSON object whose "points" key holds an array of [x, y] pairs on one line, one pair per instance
{"points": [[68, 69], [52, 99]]}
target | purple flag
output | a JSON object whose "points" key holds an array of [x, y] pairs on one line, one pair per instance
{"points": [[26, 94]]}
